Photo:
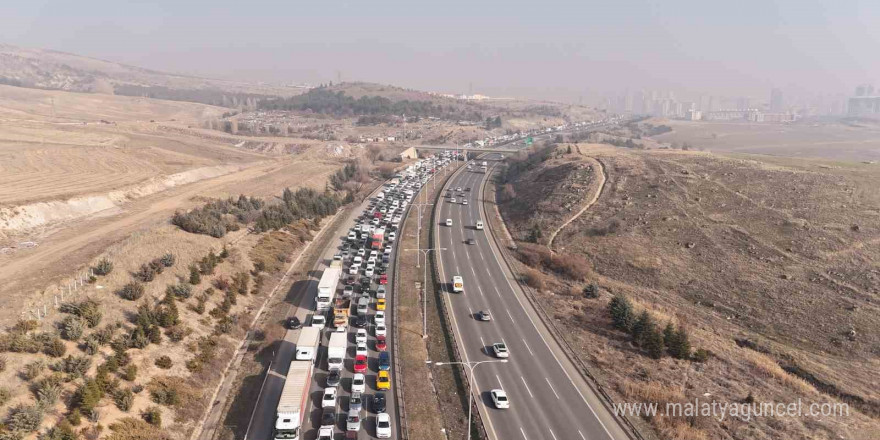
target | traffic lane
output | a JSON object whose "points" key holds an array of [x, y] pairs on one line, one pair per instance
{"points": [[557, 378], [552, 382]]}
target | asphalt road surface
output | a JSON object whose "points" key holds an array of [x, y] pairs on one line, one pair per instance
{"points": [[548, 397]]}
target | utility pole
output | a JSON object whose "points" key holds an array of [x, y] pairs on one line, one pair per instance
{"points": [[471, 366], [425, 287]]}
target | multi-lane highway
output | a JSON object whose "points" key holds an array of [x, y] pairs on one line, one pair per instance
{"points": [[548, 397]]}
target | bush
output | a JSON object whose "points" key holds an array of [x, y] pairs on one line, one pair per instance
{"points": [[180, 291], [221, 283], [146, 273], [164, 393], [177, 333], [48, 393], [132, 291], [123, 399], [680, 346], [591, 290], [91, 345], [104, 267], [153, 416], [200, 304], [62, 431], [3, 361], [534, 278], [75, 417], [89, 310], [26, 418], [167, 260], [164, 362], [622, 315], [72, 327], [701, 355], [195, 278], [32, 370], [76, 366], [240, 283], [130, 373], [5, 395], [54, 347], [88, 395]]}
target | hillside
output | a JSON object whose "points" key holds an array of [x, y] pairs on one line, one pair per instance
{"points": [[769, 264], [49, 69]]}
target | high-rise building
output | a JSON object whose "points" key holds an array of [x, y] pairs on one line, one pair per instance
{"points": [[776, 103], [864, 104]]}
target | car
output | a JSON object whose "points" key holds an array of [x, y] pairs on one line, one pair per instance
{"points": [[467, 189], [379, 317], [369, 272], [392, 236], [348, 290], [484, 315], [361, 349], [333, 378], [380, 304], [361, 321], [384, 361], [380, 292], [383, 380], [383, 425], [358, 383], [383, 279], [458, 189], [500, 350], [319, 321], [294, 323], [374, 254], [380, 343], [328, 417], [464, 201], [351, 279], [341, 329], [354, 269], [449, 222], [329, 398], [360, 364], [366, 282], [360, 253], [387, 250], [353, 421], [360, 336], [356, 401], [479, 225], [452, 200], [379, 403], [499, 398], [470, 241], [380, 330]]}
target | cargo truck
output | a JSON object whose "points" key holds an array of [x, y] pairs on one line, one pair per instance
{"points": [[307, 343], [327, 287], [378, 238], [341, 310], [294, 394], [336, 351]]}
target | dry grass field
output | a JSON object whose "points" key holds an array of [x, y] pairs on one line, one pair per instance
{"points": [[771, 263], [828, 140]]}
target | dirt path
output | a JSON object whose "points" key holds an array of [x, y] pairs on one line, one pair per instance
{"points": [[602, 178], [23, 276]]}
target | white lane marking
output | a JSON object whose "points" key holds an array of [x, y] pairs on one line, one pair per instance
{"points": [[527, 386], [483, 344], [523, 433], [551, 433], [470, 311], [535, 326], [551, 387], [581, 434], [528, 347], [500, 384], [508, 314]]}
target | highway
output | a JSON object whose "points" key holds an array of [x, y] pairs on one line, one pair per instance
{"points": [[263, 420], [548, 397]]}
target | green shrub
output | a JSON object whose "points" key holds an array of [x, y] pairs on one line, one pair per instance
{"points": [[33, 369], [701, 355], [26, 418], [72, 327], [74, 366], [90, 345], [88, 395], [75, 417], [130, 373], [146, 273], [62, 431], [5, 395], [123, 399], [164, 362], [132, 291], [24, 326], [104, 267], [622, 315], [180, 291], [177, 333], [153, 416], [240, 283], [167, 260], [195, 277], [165, 394], [89, 310], [591, 290], [48, 393]]}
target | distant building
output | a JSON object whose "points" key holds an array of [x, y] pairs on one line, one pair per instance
{"points": [[776, 103], [694, 115], [865, 104]]}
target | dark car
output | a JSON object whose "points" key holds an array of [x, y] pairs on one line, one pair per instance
{"points": [[328, 417], [366, 282], [351, 279], [470, 241], [484, 315], [333, 378], [360, 321], [379, 403], [294, 323], [467, 189], [384, 361]]}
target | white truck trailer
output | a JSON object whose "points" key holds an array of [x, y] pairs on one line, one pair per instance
{"points": [[289, 414], [307, 343], [336, 351], [327, 288]]}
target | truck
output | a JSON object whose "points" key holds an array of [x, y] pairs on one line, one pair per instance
{"points": [[336, 349], [341, 309], [327, 287], [378, 238], [457, 284], [307, 343], [294, 395]]}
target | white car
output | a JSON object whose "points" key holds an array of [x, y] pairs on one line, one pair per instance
{"points": [[319, 321], [370, 271], [360, 336], [392, 236], [387, 250], [452, 200], [329, 398], [499, 398], [373, 255], [361, 349], [379, 317], [380, 292], [464, 202], [500, 350], [381, 330], [449, 222], [361, 253], [359, 383], [353, 270], [383, 425]]}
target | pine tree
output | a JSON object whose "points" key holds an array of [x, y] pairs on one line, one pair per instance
{"points": [[654, 343], [621, 313], [668, 335], [681, 349], [194, 276], [642, 327]]}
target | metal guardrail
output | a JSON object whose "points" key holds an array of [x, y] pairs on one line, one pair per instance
{"points": [[478, 419], [632, 431], [402, 423]]}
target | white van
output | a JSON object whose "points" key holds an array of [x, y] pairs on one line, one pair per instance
{"points": [[480, 225], [449, 222]]}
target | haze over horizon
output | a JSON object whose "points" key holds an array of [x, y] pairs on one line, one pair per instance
{"points": [[543, 50]]}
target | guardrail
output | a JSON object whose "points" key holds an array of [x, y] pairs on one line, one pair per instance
{"points": [[629, 427], [477, 417], [402, 423]]}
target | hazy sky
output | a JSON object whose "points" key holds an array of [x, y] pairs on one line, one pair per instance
{"points": [[545, 48]]}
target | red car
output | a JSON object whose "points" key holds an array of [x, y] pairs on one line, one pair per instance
{"points": [[360, 364], [351, 279], [380, 343], [383, 279]]}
